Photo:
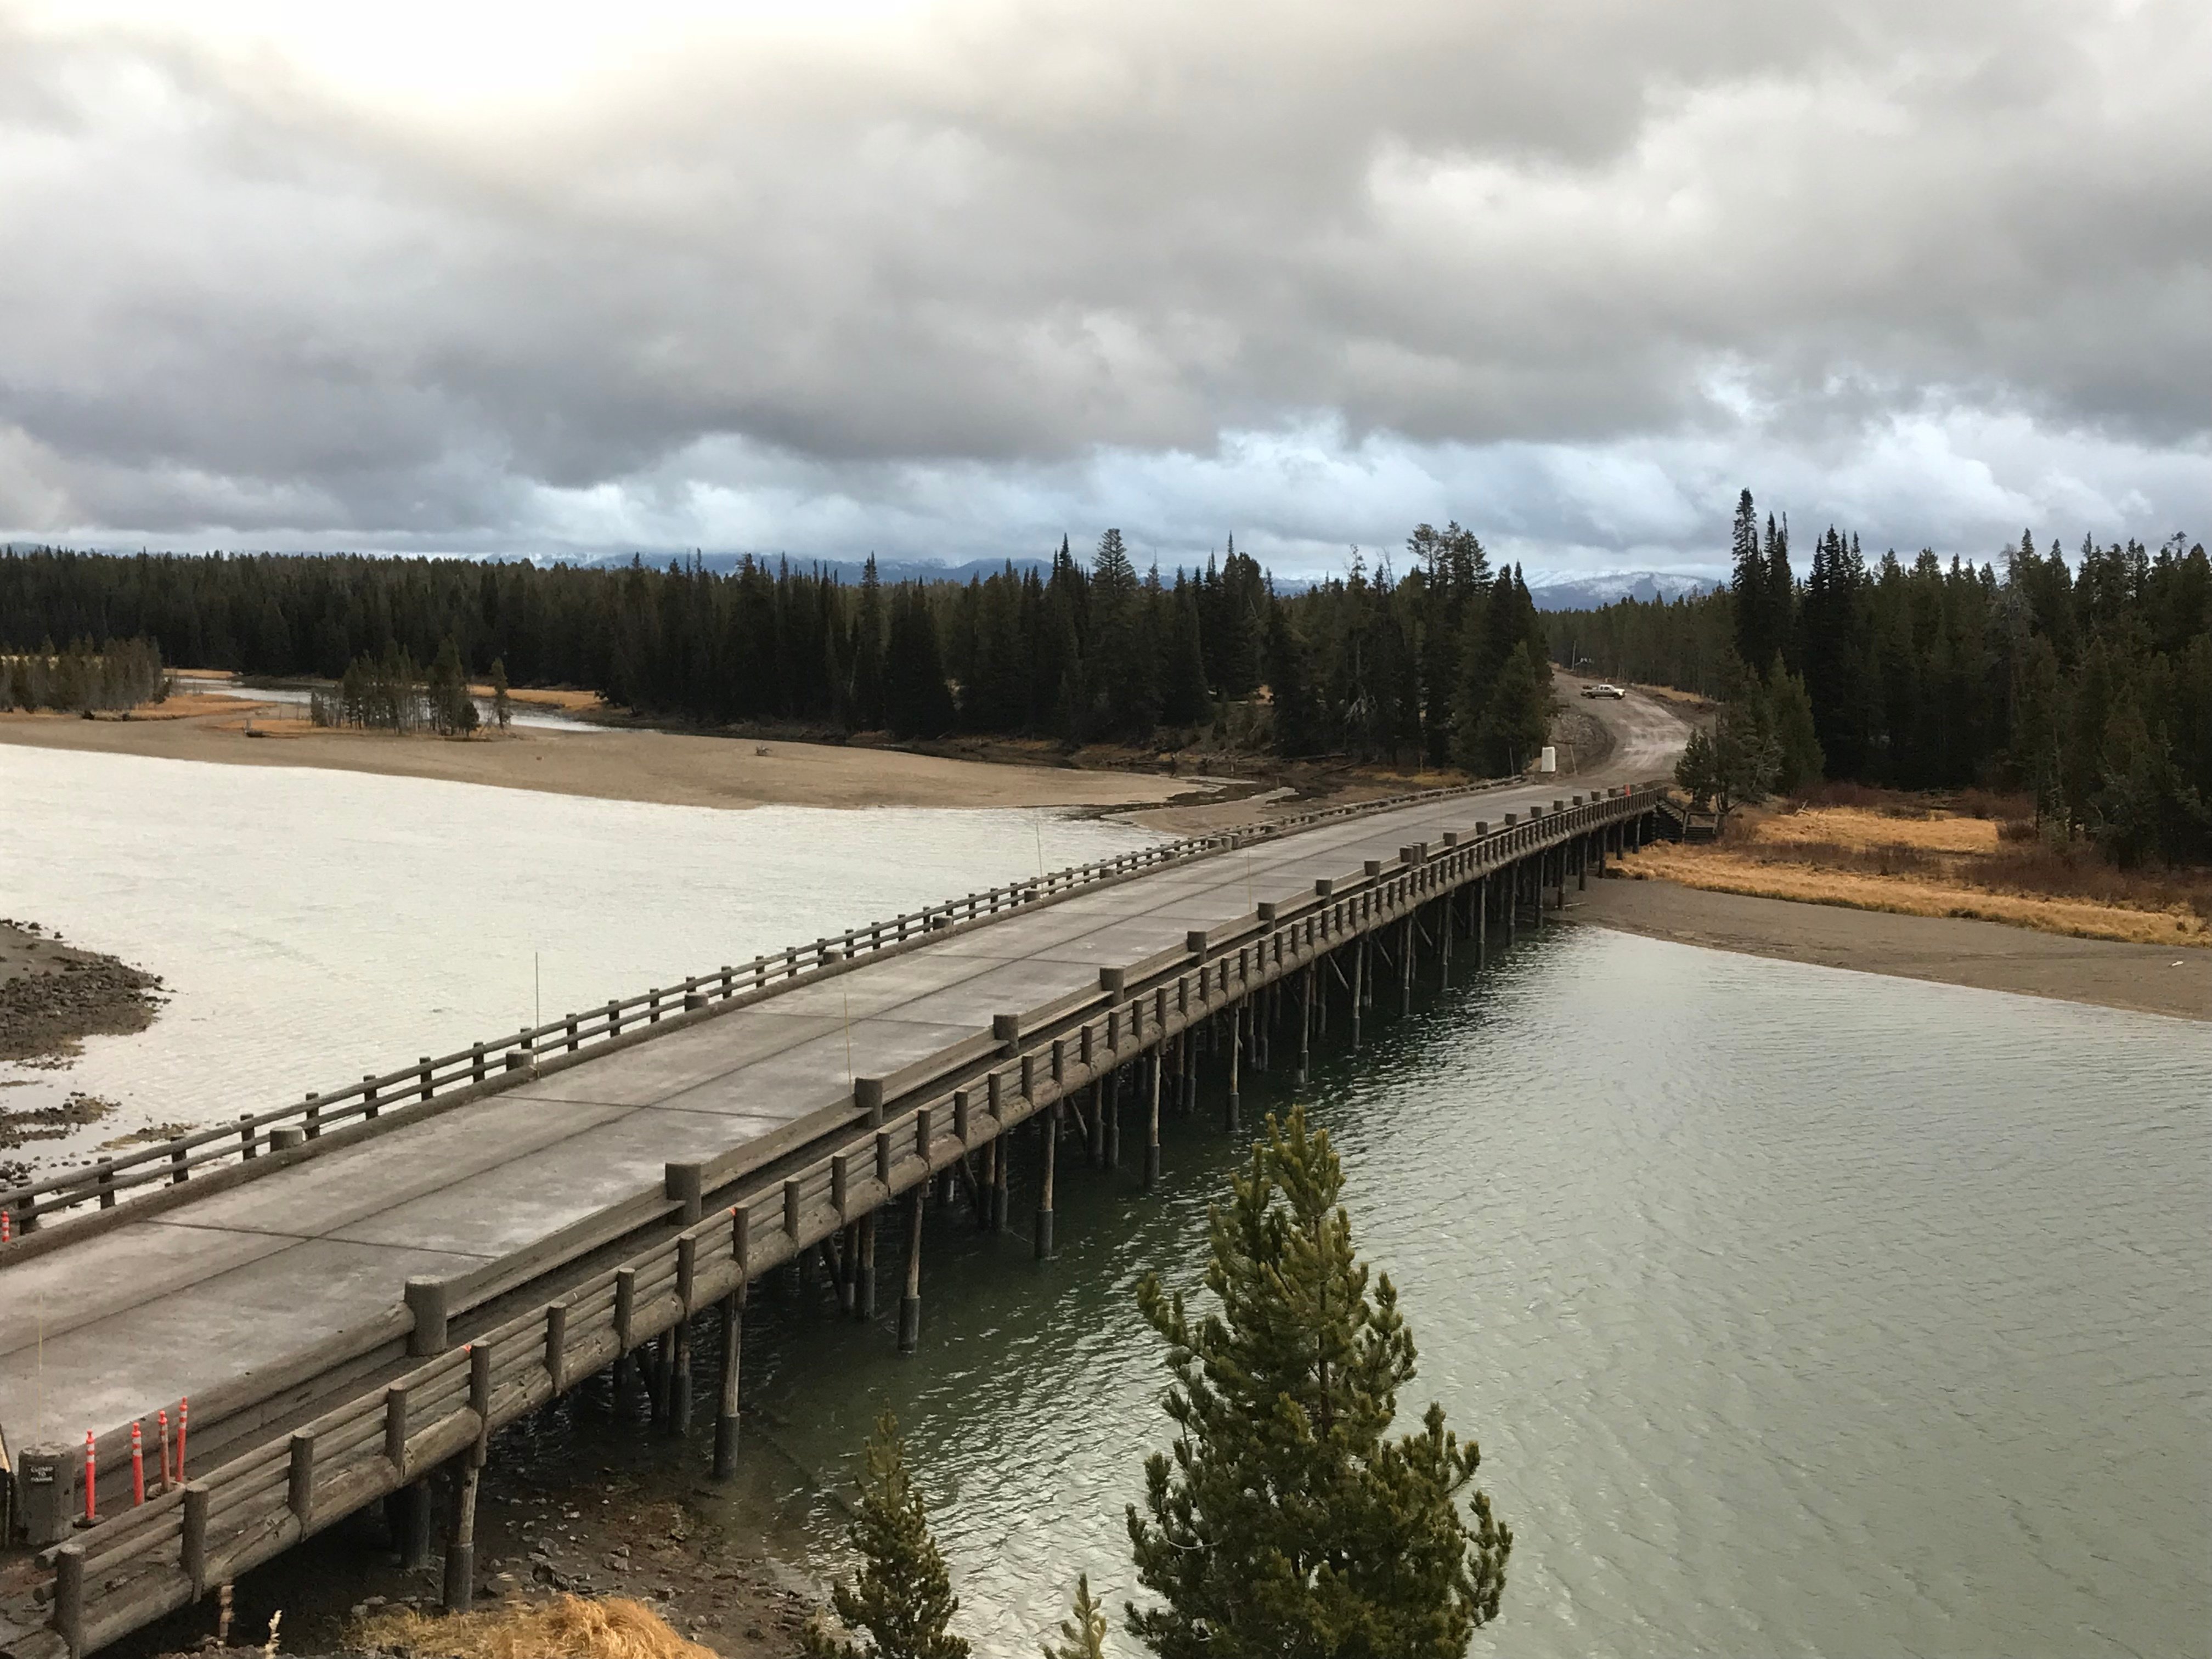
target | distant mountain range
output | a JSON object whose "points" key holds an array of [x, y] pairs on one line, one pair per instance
{"points": [[1588, 592], [1565, 593]]}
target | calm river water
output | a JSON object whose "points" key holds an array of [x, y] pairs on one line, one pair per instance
{"points": [[1797, 1311], [313, 926]]}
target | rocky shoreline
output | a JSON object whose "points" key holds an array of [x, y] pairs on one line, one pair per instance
{"points": [[53, 995]]}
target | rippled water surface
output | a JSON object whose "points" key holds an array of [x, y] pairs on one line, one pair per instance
{"points": [[1797, 1311], [313, 926]]}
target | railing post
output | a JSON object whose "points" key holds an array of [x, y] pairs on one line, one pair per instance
{"points": [[300, 1480], [195, 1539], [68, 1596], [556, 1346]]}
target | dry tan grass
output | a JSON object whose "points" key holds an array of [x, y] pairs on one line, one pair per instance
{"points": [[1726, 870], [566, 1627], [1852, 826]]}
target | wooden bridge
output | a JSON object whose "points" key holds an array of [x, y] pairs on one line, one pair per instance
{"points": [[357, 1290]]}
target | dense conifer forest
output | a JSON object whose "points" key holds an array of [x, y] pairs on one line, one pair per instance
{"points": [[2088, 683]]}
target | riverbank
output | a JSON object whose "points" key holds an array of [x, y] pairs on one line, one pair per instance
{"points": [[637, 764], [2154, 979]]}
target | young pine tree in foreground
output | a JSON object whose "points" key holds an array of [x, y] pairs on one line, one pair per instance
{"points": [[903, 1597], [1083, 1632], [1286, 1522]]}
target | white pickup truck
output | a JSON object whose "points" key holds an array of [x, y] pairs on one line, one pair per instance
{"points": [[1603, 691]]}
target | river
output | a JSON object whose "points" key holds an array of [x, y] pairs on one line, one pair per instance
{"points": [[314, 925], [1798, 1311]]}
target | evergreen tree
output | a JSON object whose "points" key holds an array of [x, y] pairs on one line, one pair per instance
{"points": [[1083, 1632], [1516, 718], [1747, 583], [503, 705], [903, 1597], [1184, 700], [1290, 689], [1730, 764], [917, 702], [1798, 761], [1285, 1521], [867, 652], [452, 711]]}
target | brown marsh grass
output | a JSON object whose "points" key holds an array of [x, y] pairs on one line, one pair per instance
{"points": [[565, 1627], [1874, 850]]}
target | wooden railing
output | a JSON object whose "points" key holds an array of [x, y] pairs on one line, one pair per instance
{"points": [[116, 1576], [173, 1162]]}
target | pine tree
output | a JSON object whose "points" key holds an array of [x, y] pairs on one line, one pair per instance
{"points": [[917, 702], [1516, 718], [452, 710], [903, 1597], [1285, 1522], [1290, 689], [1797, 743], [503, 706], [1184, 700], [1746, 579], [1083, 1633]]}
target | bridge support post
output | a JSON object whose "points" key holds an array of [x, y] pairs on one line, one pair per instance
{"points": [[679, 1377], [461, 1535], [726, 1418], [1481, 922], [407, 1513], [1114, 1121], [910, 1331], [1358, 987], [1581, 864], [1002, 1153], [1187, 1060], [864, 1298], [1047, 1157], [1098, 1123], [1152, 1128], [1305, 1025], [1407, 937], [1235, 1054], [1444, 943]]}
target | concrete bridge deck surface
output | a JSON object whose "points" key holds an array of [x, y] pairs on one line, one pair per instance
{"points": [[120, 1323]]}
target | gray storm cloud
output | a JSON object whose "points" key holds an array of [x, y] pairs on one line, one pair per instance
{"points": [[1572, 274]]}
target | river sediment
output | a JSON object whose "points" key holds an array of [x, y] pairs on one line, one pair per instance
{"points": [[2155, 979]]}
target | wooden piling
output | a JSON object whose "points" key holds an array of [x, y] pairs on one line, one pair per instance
{"points": [[1305, 1025], [1153, 1129], [909, 1334], [1236, 1050], [461, 1535], [679, 1378], [725, 1418], [864, 1305], [1046, 1155]]}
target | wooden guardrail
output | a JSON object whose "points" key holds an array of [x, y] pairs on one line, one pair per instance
{"points": [[124, 1572], [173, 1162]]}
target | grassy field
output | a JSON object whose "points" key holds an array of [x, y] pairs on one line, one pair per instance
{"points": [[1976, 856]]}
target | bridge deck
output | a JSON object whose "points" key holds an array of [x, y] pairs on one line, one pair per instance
{"points": [[221, 1287]]}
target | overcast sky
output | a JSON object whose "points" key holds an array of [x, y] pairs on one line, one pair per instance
{"points": [[947, 281]]}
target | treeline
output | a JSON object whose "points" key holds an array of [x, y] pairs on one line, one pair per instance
{"points": [[120, 674], [2089, 685], [1445, 665]]}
